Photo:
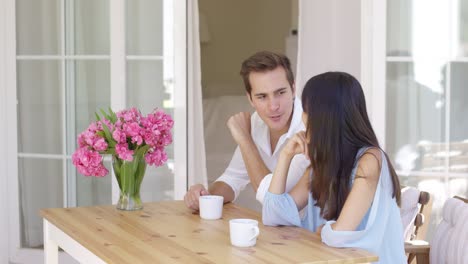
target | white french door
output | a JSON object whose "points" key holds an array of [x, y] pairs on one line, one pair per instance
{"points": [[64, 60], [426, 95], [415, 60]]}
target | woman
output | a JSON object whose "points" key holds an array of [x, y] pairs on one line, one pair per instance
{"points": [[352, 197]]}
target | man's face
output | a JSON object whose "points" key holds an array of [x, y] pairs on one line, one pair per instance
{"points": [[272, 97]]}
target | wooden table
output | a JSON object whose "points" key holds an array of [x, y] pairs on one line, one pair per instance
{"points": [[167, 232]]}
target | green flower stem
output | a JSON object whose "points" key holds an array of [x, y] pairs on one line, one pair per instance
{"points": [[129, 175]]}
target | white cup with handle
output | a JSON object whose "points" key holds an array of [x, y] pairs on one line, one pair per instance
{"points": [[243, 232], [211, 206]]}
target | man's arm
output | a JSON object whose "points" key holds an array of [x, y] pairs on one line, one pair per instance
{"points": [[246, 165], [222, 189], [256, 168], [239, 125]]}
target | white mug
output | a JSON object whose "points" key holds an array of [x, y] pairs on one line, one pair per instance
{"points": [[243, 232], [211, 206]]}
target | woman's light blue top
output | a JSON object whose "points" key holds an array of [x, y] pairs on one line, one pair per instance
{"points": [[380, 231]]}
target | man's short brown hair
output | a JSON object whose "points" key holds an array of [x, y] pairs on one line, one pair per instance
{"points": [[264, 61]]}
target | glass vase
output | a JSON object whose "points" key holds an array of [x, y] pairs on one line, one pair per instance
{"points": [[129, 175]]}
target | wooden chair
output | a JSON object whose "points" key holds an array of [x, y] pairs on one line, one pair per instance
{"points": [[450, 241], [416, 207]]}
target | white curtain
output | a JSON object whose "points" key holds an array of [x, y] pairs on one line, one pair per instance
{"points": [[329, 39], [196, 143]]}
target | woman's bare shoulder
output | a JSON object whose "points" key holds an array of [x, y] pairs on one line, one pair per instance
{"points": [[370, 164]]}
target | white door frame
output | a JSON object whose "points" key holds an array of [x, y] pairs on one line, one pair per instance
{"points": [[9, 202], [8, 115], [373, 66], [4, 18], [180, 99], [118, 74]]}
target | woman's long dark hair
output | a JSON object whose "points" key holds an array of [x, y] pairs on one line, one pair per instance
{"points": [[338, 126]]}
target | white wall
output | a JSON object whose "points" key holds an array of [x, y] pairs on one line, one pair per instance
{"points": [[329, 38], [237, 30]]}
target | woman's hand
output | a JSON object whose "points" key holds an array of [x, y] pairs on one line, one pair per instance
{"points": [[297, 145], [319, 230]]}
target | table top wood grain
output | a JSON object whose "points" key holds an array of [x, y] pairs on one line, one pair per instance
{"points": [[168, 232]]}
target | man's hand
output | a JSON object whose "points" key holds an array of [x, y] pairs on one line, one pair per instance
{"points": [[239, 125], [191, 197]]}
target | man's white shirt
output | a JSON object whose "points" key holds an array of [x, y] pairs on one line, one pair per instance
{"points": [[236, 174]]}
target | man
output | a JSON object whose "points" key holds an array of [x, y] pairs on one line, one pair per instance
{"points": [[269, 84]]}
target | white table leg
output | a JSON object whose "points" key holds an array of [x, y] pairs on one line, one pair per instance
{"points": [[50, 246]]}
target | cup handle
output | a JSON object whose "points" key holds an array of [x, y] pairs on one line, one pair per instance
{"points": [[257, 232]]}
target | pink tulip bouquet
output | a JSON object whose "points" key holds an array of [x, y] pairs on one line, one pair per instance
{"points": [[133, 140]]}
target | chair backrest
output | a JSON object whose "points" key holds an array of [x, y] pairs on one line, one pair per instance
{"points": [[415, 210], [450, 241]]}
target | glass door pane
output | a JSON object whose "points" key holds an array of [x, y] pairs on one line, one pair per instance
{"points": [[40, 143], [426, 131], [90, 34], [39, 107], [89, 91], [149, 80], [145, 85], [87, 71], [38, 27], [399, 28], [458, 154], [41, 186], [462, 50], [415, 120], [144, 27]]}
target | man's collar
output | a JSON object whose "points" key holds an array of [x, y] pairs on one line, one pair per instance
{"points": [[296, 119]]}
